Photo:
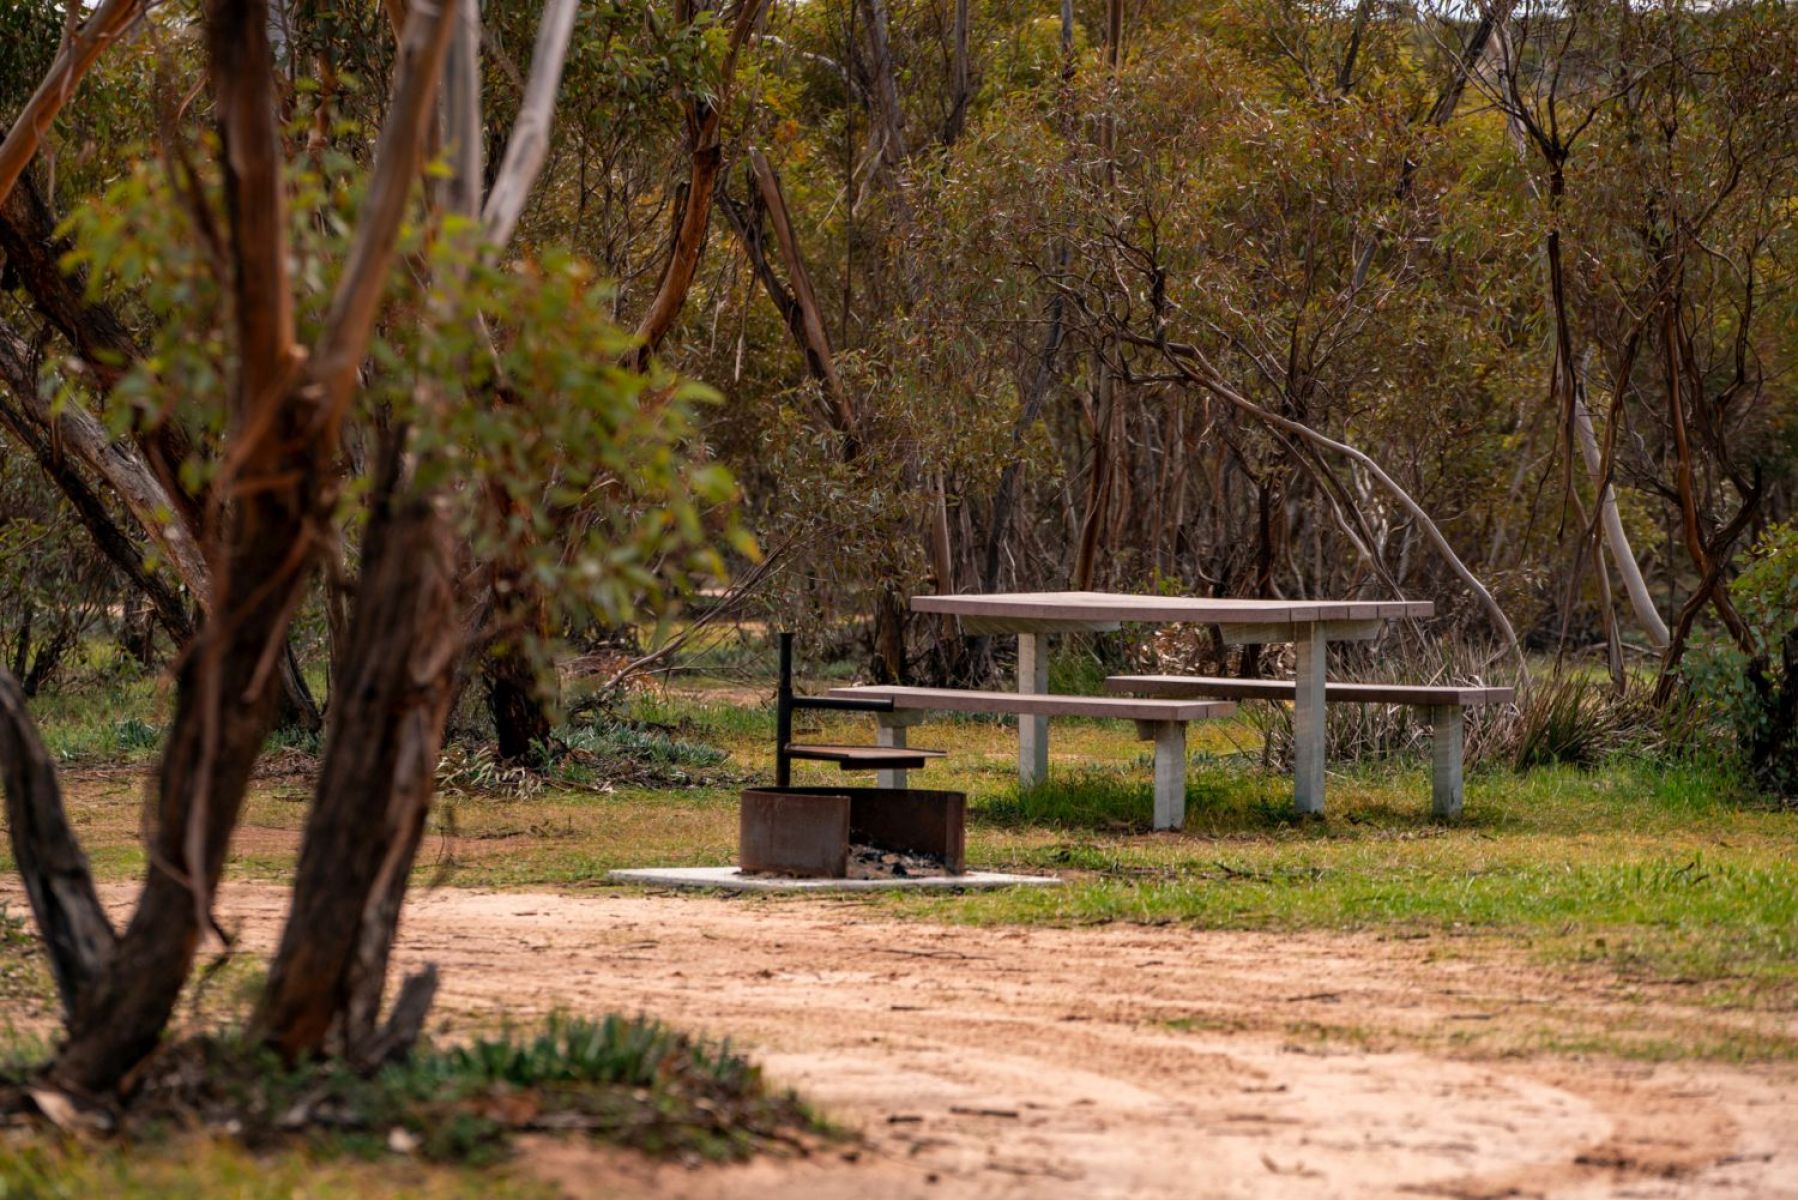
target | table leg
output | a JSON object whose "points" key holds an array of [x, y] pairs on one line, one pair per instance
{"points": [[1170, 771], [1033, 731], [1445, 753], [1308, 720]]}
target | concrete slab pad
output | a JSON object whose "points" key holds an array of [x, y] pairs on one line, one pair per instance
{"points": [[732, 879]]}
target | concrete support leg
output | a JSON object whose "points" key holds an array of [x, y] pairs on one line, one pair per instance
{"points": [[889, 730], [1445, 758], [1170, 772], [1033, 731], [1308, 720]]}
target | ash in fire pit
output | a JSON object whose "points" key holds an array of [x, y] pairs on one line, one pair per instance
{"points": [[877, 862]]}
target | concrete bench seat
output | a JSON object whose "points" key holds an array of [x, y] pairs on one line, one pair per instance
{"points": [[1445, 704], [1161, 720]]}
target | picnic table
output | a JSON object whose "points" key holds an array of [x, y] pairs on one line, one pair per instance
{"points": [[1310, 625]]}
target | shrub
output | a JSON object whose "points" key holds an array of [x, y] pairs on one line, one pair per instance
{"points": [[1755, 695]]}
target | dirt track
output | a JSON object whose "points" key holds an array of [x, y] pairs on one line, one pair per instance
{"points": [[1119, 1061]]}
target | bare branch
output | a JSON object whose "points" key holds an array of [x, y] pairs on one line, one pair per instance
{"points": [[528, 146], [706, 158], [350, 324], [1211, 381]]}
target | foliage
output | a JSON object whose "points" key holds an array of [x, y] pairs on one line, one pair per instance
{"points": [[645, 756], [29, 30], [1261, 179], [623, 524], [592, 471]]}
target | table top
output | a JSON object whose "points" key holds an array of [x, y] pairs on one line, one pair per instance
{"points": [[1111, 607]]}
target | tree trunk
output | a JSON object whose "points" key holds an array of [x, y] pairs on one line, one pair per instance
{"points": [[1041, 379], [145, 475], [816, 341], [374, 786], [521, 720], [889, 124], [277, 489], [1099, 481], [1702, 555], [1641, 601], [78, 938], [889, 636], [960, 91], [137, 630], [404, 644], [705, 155]]}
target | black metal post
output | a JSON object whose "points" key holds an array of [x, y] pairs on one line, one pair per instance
{"points": [[783, 715]]}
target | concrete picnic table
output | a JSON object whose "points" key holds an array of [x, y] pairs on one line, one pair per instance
{"points": [[1308, 624]]}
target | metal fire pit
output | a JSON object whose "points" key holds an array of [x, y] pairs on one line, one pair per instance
{"points": [[807, 831]]}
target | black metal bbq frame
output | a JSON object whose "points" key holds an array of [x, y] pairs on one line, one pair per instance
{"points": [[786, 703]]}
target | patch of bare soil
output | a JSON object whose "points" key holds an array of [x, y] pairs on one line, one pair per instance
{"points": [[1118, 1061]]}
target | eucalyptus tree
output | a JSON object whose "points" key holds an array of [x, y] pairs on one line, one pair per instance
{"points": [[282, 325]]}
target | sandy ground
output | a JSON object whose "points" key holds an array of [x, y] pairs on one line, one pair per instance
{"points": [[1117, 1061]]}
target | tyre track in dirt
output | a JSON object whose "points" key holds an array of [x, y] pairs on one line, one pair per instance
{"points": [[1122, 1061], [1118, 1061]]}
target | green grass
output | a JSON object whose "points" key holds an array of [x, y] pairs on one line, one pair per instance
{"points": [[108, 720], [194, 1165], [1667, 872], [1658, 871]]}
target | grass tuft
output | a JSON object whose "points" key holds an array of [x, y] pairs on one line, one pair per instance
{"points": [[1578, 721], [628, 1081]]}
